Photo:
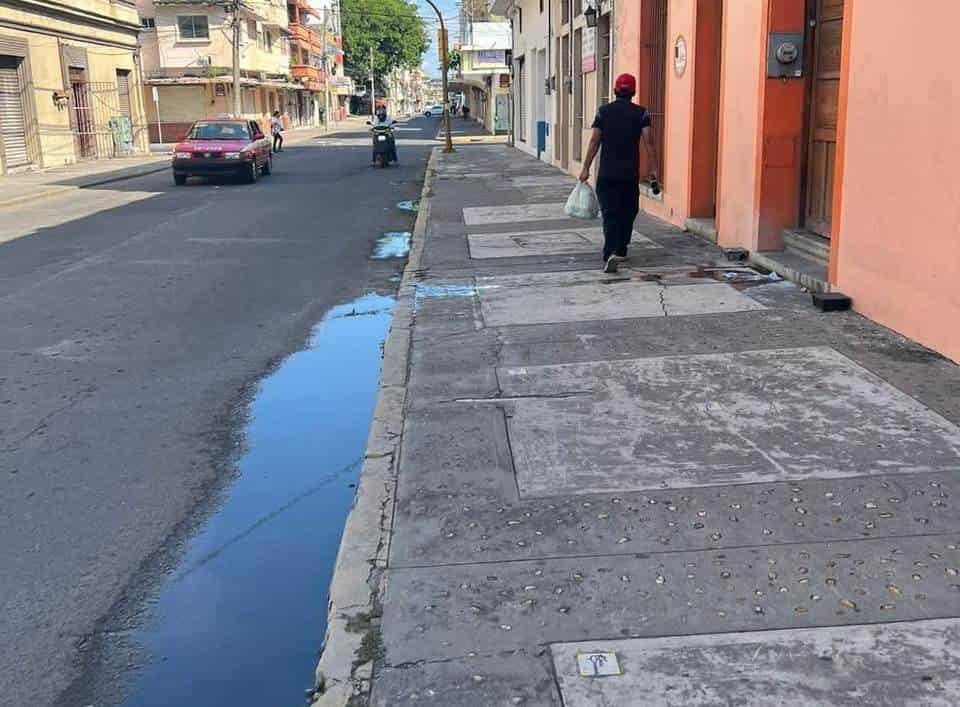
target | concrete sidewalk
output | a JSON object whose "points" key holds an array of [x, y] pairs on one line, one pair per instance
{"points": [[677, 485]]}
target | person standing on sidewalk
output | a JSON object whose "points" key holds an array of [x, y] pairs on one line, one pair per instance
{"points": [[618, 129], [276, 127]]}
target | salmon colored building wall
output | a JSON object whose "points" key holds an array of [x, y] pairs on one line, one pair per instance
{"points": [[897, 239], [742, 45], [674, 168]]}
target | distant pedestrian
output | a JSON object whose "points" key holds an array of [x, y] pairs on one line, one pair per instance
{"points": [[466, 111], [276, 127], [618, 130]]}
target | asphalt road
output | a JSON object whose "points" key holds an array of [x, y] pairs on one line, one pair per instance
{"points": [[136, 318]]}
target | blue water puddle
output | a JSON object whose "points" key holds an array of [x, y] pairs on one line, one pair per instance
{"points": [[409, 206], [243, 617], [392, 244]]}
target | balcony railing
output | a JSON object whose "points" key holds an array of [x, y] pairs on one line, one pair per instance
{"points": [[306, 36], [309, 76]]}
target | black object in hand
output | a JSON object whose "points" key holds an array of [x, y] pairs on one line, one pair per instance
{"points": [[655, 187]]}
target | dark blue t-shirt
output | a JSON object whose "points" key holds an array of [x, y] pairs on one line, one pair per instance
{"points": [[621, 125]]}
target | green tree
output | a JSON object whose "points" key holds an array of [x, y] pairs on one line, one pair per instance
{"points": [[453, 61], [392, 28]]}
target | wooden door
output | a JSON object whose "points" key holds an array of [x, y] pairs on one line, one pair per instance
{"points": [[822, 116]]}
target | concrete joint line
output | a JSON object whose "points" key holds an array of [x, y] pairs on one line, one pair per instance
{"points": [[352, 640]]}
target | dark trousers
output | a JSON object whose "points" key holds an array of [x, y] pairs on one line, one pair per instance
{"points": [[277, 141], [619, 205], [392, 156]]}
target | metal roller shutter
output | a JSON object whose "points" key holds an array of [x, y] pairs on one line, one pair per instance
{"points": [[12, 127]]}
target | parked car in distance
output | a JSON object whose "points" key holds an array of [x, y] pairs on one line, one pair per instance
{"points": [[433, 111], [214, 147]]}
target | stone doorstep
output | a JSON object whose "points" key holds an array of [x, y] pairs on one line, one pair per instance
{"points": [[796, 268], [807, 244], [705, 228]]}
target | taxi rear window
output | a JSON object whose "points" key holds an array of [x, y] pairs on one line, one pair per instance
{"points": [[219, 131]]}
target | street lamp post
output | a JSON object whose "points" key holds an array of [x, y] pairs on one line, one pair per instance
{"points": [[444, 60]]}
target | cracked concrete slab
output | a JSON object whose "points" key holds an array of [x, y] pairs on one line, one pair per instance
{"points": [[451, 610], [514, 213], [752, 416], [521, 677], [556, 242], [570, 297], [887, 665], [444, 524]]}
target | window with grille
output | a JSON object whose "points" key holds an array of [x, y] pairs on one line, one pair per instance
{"points": [[603, 46], [123, 92], [193, 26], [655, 50], [148, 22], [521, 94], [578, 96]]}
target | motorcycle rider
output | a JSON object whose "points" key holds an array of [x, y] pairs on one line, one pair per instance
{"points": [[382, 120]]}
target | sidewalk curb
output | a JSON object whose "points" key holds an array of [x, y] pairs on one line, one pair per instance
{"points": [[352, 641]]}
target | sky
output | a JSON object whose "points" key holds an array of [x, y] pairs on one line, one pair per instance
{"points": [[431, 60]]}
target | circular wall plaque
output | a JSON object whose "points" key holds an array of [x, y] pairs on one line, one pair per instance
{"points": [[680, 55]]}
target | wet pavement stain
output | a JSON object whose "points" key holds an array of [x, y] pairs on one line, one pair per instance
{"points": [[413, 206], [740, 278], [392, 244], [424, 292], [244, 614]]}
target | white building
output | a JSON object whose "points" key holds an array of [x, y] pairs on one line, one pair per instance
{"points": [[404, 89], [485, 74], [532, 102]]}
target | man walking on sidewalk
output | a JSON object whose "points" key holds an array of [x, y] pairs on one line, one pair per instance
{"points": [[618, 129], [276, 127]]}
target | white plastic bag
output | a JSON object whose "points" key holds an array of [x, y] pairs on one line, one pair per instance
{"points": [[582, 202]]}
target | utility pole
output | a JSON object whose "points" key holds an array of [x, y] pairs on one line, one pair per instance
{"points": [[444, 63], [326, 73], [373, 90], [236, 59]]}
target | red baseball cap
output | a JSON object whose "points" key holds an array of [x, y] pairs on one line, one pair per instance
{"points": [[625, 84]]}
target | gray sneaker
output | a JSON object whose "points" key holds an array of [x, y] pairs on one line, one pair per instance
{"points": [[610, 266]]}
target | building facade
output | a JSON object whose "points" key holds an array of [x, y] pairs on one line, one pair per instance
{"points": [[69, 83], [187, 50], [405, 91], [787, 128], [784, 133], [532, 108]]}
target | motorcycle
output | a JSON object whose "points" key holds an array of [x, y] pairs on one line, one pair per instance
{"points": [[384, 146]]}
